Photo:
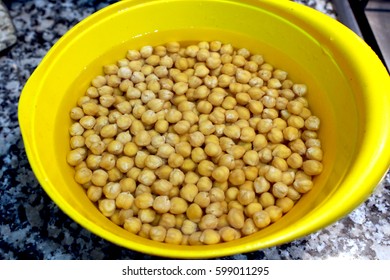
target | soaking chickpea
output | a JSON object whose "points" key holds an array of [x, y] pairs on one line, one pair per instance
{"points": [[274, 212], [178, 205], [302, 185], [107, 207], [133, 224], [216, 209], [236, 218], [173, 236], [228, 233], [249, 227], [261, 219], [245, 197], [312, 167], [99, 177], [94, 193], [252, 208], [220, 174], [237, 177], [188, 227], [266, 199], [251, 158], [83, 175], [124, 200], [194, 212], [212, 149], [285, 203], [158, 233], [162, 204], [210, 236], [208, 221]]}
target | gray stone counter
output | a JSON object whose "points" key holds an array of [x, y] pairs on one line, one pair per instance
{"points": [[33, 227]]}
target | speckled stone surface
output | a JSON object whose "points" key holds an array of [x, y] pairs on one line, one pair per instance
{"points": [[7, 30], [33, 227]]}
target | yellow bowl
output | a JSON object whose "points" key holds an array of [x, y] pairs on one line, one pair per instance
{"points": [[349, 89]]}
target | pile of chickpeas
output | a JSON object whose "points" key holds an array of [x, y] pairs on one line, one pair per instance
{"points": [[194, 143]]}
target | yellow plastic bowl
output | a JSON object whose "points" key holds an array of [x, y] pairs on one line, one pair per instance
{"points": [[349, 89]]}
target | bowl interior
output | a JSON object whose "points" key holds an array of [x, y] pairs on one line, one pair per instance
{"points": [[289, 37]]}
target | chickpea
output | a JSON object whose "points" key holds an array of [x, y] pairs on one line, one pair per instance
{"points": [[83, 175], [249, 227], [264, 125], [176, 177], [266, 199], [94, 193], [76, 113], [248, 134], [273, 175], [251, 172], [147, 177], [158, 233], [314, 153], [111, 190], [252, 208], [144, 200], [210, 236], [275, 135], [228, 233], [302, 185], [124, 163], [146, 215], [237, 177], [132, 224], [296, 121], [124, 200], [153, 162], [237, 151], [261, 185], [212, 149], [279, 190], [208, 221], [196, 139], [236, 218], [99, 177], [178, 205], [204, 184], [194, 212], [175, 160], [245, 197], [127, 185], [280, 164], [188, 227], [298, 146], [188, 192], [107, 207], [274, 212], [251, 158], [205, 168], [299, 89], [312, 167], [220, 174], [142, 138], [285, 203], [163, 172], [261, 219], [216, 209], [173, 236], [162, 204]]}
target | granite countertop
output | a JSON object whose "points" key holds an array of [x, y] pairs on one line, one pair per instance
{"points": [[33, 227]]}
